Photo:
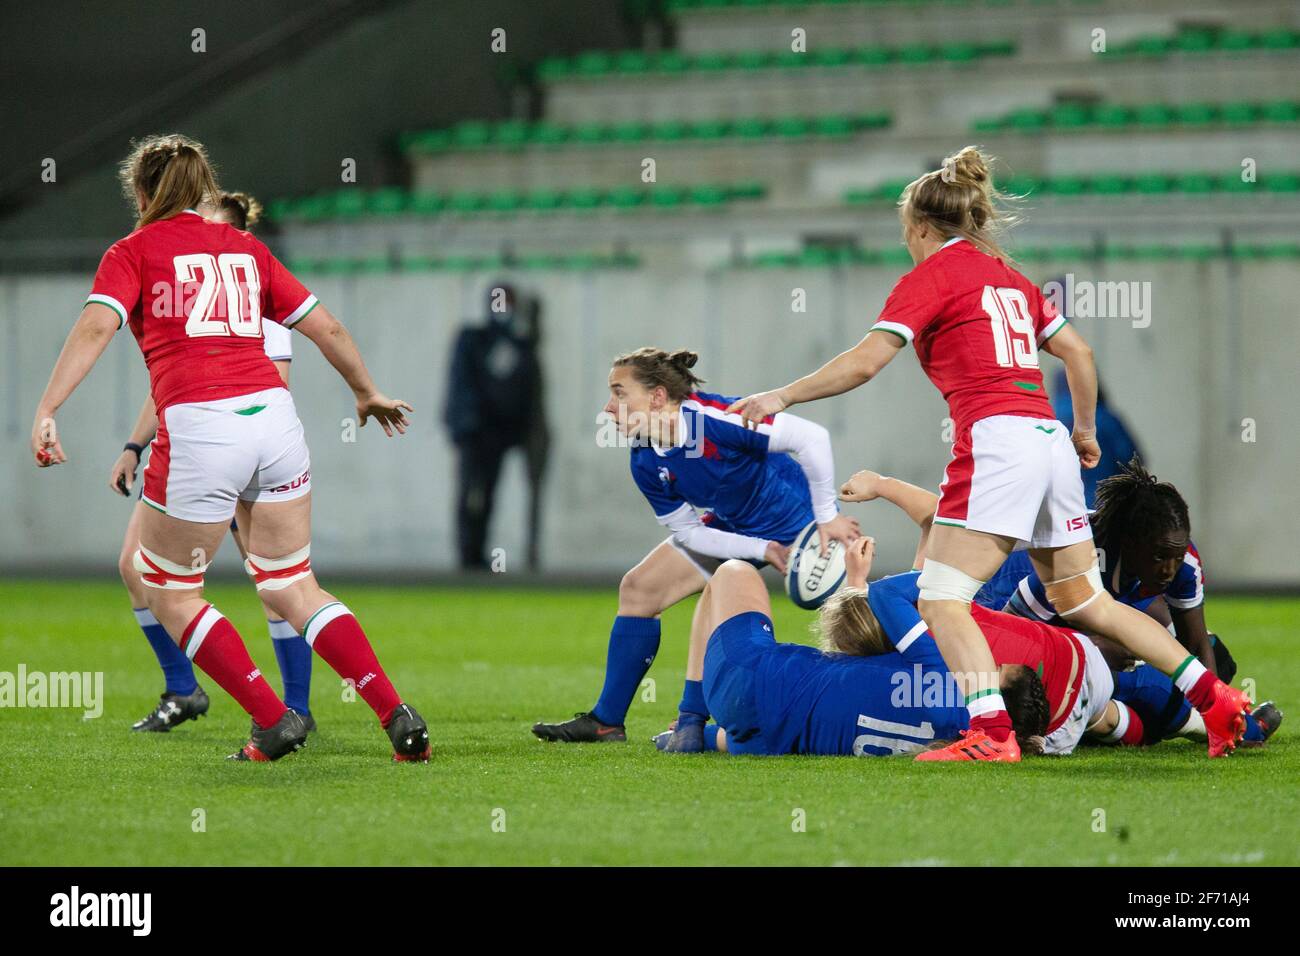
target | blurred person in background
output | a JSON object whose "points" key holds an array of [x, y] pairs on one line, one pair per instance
{"points": [[495, 402], [1117, 443]]}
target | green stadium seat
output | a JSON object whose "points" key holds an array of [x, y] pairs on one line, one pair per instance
{"points": [[791, 127], [1027, 120], [629, 132], [1194, 183], [752, 60], [1196, 114], [389, 201], [670, 61], [503, 200], [917, 54], [667, 197], [1194, 41], [593, 63], [466, 202], [626, 197], [1280, 111], [1070, 116], [591, 134], [549, 134], [708, 196], [1279, 39], [748, 189], [631, 62], [708, 129], [1150, 184], [873, 56], [512, 134], [471, 134], [427, 203], [586, 200], [670, 131], [1068, 185], [1235, 40], [832, 126], [1282, 182], [709, 62], [544, 200], [1238, 113], [1109, 184], [1156, 115], [1112, 116]]}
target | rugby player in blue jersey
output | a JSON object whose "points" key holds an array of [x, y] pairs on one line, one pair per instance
{"points": [[722, 490]]}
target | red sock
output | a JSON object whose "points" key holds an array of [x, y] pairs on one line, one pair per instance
{"points": [[213, 643], [997, 724], [335, 635], [1134, 733], [1201, 696]]}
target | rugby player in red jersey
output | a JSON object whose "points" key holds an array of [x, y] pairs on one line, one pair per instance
{"points": [[977, 325], [229, 443]]}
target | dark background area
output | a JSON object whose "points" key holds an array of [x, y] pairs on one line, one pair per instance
{"points": [[286, 90]]}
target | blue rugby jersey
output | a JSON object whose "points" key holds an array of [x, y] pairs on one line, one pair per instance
{"points": [[1029, 596], [725, 470]]}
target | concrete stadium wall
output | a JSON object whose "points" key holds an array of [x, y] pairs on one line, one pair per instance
{"points": [[1220, 348]]}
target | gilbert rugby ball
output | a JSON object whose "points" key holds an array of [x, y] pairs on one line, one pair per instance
{"points": [[810, 578]]}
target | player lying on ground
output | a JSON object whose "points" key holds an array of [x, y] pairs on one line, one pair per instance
{"points": [[878, 685], [229, 441], [1014, 476], [1163, 707], [182, 698], [724, 491]]}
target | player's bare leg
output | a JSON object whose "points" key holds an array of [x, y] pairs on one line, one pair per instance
{"points": [[182, 699], [967, 559], [278, 538], [291, 651], [663, 578], [172, 559], [1073, 584]]}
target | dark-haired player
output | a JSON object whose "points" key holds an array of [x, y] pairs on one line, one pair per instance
{"points": [[723, 491], [183, 698]]}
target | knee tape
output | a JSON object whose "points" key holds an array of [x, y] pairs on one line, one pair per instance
{"points": [[942, 582], [276, 574], [1075, 592], [157, 572]]}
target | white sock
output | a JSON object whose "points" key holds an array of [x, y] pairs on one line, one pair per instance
{"points": [[1121, 728], [1188, 674], [1194, 729], [280, 630]]}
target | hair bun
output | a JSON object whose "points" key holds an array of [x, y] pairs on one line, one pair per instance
{"points": [[968, 166], [684, 358]]}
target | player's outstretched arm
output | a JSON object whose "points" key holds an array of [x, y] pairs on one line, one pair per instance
{"points": [[82, 349], [122, 475], [845, 372], [917, 503], [1081, 374], [335, 343]]}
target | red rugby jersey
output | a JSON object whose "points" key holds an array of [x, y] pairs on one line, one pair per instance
{"points": [[1055, 653], [195, 294], [977, 325]]}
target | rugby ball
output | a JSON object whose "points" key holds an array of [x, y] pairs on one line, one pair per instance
{"points": [[810, 578]]}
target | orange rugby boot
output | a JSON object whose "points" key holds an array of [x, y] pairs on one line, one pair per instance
{"points": [[976, 745], [1225, 721]]}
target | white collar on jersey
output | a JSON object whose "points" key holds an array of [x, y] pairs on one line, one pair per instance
{"points": [[954, 239], [681, 430]]}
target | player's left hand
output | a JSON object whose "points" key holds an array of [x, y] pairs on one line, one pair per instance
{"points": [[754, 408], [387, 411], [841, 528], [857, 561], [45, 442], [1086, 447]]}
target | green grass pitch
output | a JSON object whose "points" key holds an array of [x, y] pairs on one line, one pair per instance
{"points": [[482, 665]]}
